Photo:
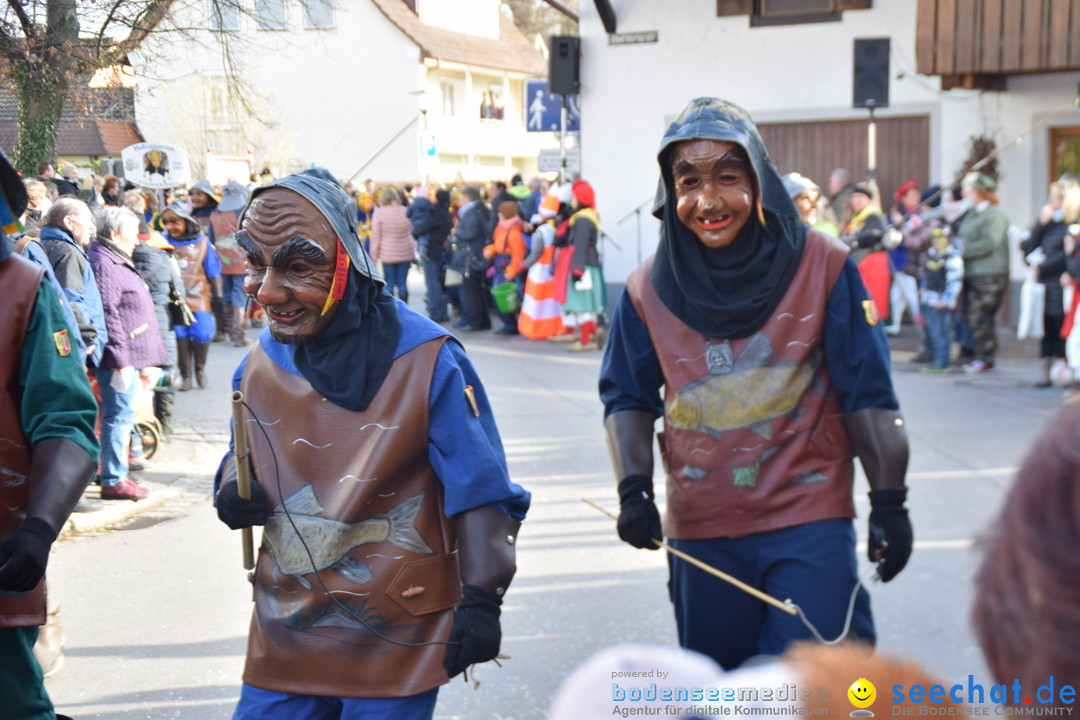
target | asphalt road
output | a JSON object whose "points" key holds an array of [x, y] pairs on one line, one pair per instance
{"points": [[156, 609]]}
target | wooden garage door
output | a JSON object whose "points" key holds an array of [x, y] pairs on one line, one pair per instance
{"points": [[815, 149]]}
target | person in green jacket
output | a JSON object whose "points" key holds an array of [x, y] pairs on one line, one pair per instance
{"points": [[48, 454], [984, 233]]}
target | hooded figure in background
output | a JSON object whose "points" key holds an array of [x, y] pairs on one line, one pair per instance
{"points": [[378, 472], [200, 269], [753, 337]]}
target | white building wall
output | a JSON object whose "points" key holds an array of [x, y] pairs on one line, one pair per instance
{"points": [[335, 97], [339, 95], [783, 73]]}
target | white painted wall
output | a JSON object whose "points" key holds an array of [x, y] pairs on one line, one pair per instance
{"points": [[474, 17], [335, 97], [792, 72]]}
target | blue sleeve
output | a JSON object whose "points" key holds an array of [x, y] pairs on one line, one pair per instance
{"points": [[464, 447], [856, 349], [630, 376], [212, 263]]}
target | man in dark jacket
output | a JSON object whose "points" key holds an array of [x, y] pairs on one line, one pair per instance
{"points": [[432, 232], [473, 232], [69, 228]]}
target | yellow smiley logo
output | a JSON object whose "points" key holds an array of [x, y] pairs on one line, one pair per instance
{"points": [[862, 693]]}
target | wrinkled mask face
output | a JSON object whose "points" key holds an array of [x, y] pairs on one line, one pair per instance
{"points": [[714, 189], [291, 251]]}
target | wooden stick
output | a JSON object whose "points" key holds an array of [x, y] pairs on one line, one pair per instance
{"points": [[243, 478], [786, 607]]}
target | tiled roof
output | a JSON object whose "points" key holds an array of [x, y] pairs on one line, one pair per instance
{"points": [[511, 51], [92, 137]]}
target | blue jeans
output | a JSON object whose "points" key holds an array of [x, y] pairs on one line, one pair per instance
{"points": [[396, 273], [258, 704], [813, 565], [938, 334], [117, 419], [232, 290], [436, 305]]}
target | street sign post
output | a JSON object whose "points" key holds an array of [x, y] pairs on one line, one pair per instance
{"points": [[542, 109], [551, 160]]}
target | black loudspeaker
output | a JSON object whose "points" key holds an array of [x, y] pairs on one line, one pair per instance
{"points": [[871, 80], [564, 64]]}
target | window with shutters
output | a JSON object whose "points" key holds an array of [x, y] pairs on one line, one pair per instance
{"points": [[788, 12]]}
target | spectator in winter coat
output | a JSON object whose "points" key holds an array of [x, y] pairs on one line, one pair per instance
{"points": [[69, 228], [433, 232], [470, 236], [984, 234], [134, 344], [392, 242]]}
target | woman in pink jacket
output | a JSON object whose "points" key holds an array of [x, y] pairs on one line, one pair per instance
{"points": [[392, 242]]}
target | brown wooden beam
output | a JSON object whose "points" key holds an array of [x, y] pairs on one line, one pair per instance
{"points": [[973, 81]]}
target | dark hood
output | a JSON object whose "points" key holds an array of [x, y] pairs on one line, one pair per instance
{"points": [[349, 359], [726, 292], [12, 204]]}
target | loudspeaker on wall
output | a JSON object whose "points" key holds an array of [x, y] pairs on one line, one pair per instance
{"points": [[564, 64], [871, 81]]}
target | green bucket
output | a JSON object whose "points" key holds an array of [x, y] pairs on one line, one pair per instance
{"points": [[506, 298]]}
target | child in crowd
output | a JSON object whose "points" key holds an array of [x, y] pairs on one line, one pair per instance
{"points": [[508, 252], [938, 294]]}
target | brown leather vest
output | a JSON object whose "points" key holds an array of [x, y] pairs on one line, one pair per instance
{"points": [[754, 438], [190, 257], [20, 280], [361, 492]]}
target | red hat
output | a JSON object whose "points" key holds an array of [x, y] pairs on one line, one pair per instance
{"points": [[584, 193], [905, 188]]}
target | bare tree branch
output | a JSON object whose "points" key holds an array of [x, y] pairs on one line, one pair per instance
{"points": [[24, 19]]}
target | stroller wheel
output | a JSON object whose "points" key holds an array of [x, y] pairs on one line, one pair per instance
{"points": [[151, 437]]}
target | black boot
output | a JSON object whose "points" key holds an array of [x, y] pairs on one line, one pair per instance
{"points": [[201, 350], [183, 361]]}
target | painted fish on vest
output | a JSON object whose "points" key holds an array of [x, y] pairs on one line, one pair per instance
{"points": [[329, 541]]}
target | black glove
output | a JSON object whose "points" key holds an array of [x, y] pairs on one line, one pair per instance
{"points": [[236, 512], [476, 634], [24, 554], [639, 520], [890, 532]]}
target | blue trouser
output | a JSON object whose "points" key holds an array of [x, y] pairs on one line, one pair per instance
{"points": [[396, 276], [232, 290], [812, 564], [938, 333], [258, 704], [436, 305], [117, 419], [22, 686]]}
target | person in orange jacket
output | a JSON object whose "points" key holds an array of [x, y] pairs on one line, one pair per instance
{"points": [[508, 251]]}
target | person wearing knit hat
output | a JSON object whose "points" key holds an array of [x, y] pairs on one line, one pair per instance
{"points": [[399, 435], [807, 198], [753, 338], [863, 233], [579, 281], [985, 233], [200, 269], [541, 313]]}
